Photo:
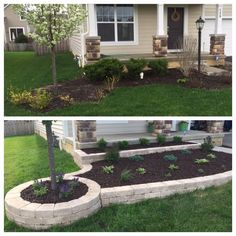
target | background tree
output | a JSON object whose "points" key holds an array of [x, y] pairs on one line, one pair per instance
{"points": [[48, 125], [52, 23]]}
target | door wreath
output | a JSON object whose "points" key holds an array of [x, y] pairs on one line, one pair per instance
{"points": [[175, 16]]}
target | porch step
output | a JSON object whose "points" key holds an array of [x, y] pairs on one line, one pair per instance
{"points": [[213, 71]]}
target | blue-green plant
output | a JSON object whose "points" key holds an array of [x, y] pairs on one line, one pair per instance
{"points": [[136, 158], [186, 151], [173, 167], [170, 157]]}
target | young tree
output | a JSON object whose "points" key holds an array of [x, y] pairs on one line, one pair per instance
{"points": [[48, 125], [52, 23]]}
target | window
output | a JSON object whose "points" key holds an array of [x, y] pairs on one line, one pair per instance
{"points": [[22, 18], [15, 32], [115, 23]]}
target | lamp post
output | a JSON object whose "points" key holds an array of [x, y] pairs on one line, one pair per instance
{"points": [[199, 24]]}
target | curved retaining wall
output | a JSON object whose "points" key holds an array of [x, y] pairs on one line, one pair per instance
{"points": [[42, 216]]}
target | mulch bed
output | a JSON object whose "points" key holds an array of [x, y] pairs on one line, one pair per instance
{"points": [[53, 196], [157, 168], [133, 146]]}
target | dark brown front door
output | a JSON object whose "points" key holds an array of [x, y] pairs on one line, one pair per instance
{"points": [[175, 25]]}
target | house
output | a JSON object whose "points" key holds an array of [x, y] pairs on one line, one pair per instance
{"points": [[75, 135], [148, 30]]}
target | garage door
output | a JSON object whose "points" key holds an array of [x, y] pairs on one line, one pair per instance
{"points": [[209, 28]]}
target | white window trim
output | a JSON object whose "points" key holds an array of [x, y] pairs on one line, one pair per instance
{"points": [[123, 43], [22, 19], [185, 20], [213, 18], [9, 31]]}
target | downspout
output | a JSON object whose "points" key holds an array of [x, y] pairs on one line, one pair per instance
{"points": [[74, 134]]}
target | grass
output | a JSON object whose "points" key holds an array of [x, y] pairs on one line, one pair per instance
{"points": [[199, 211], [32, 71]]}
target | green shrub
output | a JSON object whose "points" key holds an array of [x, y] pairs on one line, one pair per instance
{"points": [[173, 167], [141, 171], [123, 145], [211, 155], [159, 67], [39, 189], [201, 171], [108, 169], [177, 139], [170, 157], [21, 39], [40, 100], [182, 81], [201, 161], [161, 139], [136, 158], [207, 145], [135, 67], [144, 141], [104, 69], [126, 175], [19, 97], [113, 155], [102, 144]]}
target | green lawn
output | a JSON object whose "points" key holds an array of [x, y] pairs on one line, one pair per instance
{"points": [[32, 71], [208, 210]]}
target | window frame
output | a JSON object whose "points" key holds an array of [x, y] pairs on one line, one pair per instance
{"points": [[115, 22], [9, 29]]}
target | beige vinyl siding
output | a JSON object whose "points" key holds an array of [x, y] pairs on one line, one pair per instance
{"points": [[57, 128], [210, 10], [194, 11], [120, 127], [147, 27]]}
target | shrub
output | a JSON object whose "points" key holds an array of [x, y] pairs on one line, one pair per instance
{"points": [[211, 155], [123, 145], [182, 81], [136, 158], [60, 178], [39, 189], [186, 151], [113, 155], [66, 99], [207, 145], [104, 69], [170, 157], [65, 190], [141, 171], [102, 144], [40, 100], [126, 175], [201, 161], [173, 167], [161, 139], [74, 183], [22, 39], [108, 169], [19, 97], [159, 67], [135, 67], [144, 141], [150, 127], [177, 139], [201, 171]]}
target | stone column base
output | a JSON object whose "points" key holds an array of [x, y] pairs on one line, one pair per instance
{"points": [[160, 45], [162, 127], [215, 126], [86, 131], [93, 48], [217, 44]]}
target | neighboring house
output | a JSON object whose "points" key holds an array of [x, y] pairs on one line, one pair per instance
{"points": [[151, 29], [79, 134], [14, 25]]}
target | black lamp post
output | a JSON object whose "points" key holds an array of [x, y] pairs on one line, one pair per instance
{"points": [[199, 24]]}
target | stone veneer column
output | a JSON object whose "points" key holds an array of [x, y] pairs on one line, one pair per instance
{"points": [[162, 127], [215, 126], [93, 48], [86, 131], [217, 44], [160, 45]]}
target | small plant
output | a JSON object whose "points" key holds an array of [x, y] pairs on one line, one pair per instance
{"points": [[136, 158], [161, 139], [173, 167], [141, 171], [144, 141], [126, 175], [186, 151], [207, 145], [66, 99], [113, 155], [100, 94], [170, 157], [123, 145], [102, 144], [40, 100], [223, 167], [201, 171], [159, 67], [135, 67], [108, 169], [211, 155], [182, 81], [201, 161], [39, 189], [74, 183], [150, 127], [168, 174], [65, 190], [19, 97], [110, 83], [60, 178], [177, 139]]}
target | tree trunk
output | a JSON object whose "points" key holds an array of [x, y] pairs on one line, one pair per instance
{"points": [[54, 69], [48, 125]]}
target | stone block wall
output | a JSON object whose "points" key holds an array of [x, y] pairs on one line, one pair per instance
{"points": [[86, 130], [160, 45], [217, 44], [93, 48], [215, 126], [162, 126]]}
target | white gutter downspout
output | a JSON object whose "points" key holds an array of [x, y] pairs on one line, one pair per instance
{"points": [[74, 134]]}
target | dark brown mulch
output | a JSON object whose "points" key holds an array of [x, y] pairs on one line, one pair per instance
{"points": [[156, 168], [51, 196], [133, 146]]}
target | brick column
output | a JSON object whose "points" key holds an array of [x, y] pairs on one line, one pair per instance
{"points": [[160, 45], [215, 126], [217, 44], [86, 131], [162, 127], [93, 48]]}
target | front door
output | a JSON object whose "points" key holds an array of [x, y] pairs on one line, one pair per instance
{"points": [[175, 27]]}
